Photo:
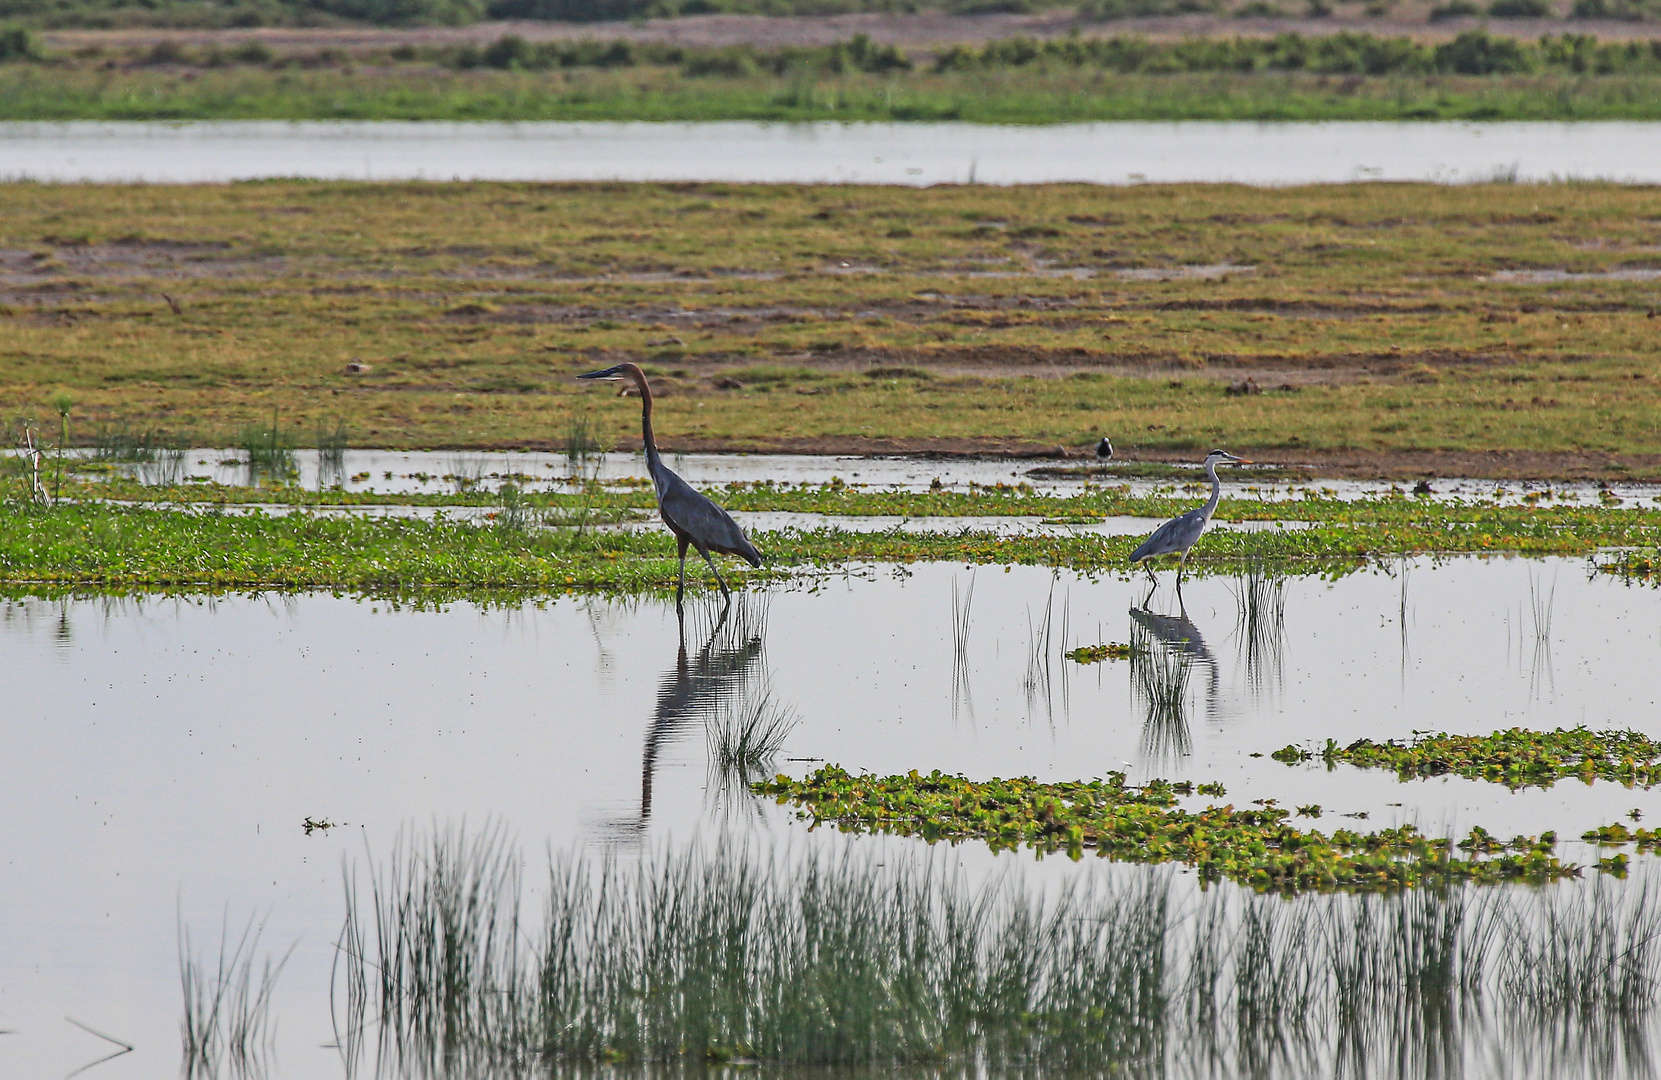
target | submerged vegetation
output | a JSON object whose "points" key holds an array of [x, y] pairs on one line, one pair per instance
{"points": [[1517, 758], [1259, 847], [844, 956]]}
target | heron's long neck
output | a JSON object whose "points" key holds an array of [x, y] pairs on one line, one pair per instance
{"points": [[652, 457], [1216, 489]]}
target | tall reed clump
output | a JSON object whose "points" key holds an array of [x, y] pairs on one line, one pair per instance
{"points": [[270, 453], [227, 1006], [581, 444], [848, 955]]}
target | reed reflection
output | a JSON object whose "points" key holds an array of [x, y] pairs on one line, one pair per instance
{"points": [[1260, 631]]}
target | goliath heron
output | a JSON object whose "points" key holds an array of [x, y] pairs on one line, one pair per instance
{"points": [[692, 517], [1180, 533]]}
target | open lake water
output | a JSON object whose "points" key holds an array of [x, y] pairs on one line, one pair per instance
{"points": [[163, 753], [914, 154]]}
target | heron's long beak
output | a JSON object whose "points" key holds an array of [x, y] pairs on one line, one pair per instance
{"points": [[604, 373]]}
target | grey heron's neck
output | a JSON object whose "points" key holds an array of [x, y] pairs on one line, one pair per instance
{"points": [[1216, 488]]}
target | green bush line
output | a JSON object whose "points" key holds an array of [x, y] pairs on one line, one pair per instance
{"points": [[1473, 52], [463, 85], [1517, 758], [1257, 848]]}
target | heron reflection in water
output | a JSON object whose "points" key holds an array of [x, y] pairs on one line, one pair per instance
{"points": [[1164, 650], [718, 687]]}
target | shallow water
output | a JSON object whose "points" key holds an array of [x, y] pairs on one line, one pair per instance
{"points": [[913, 154], [163, 754], [435, 472]]}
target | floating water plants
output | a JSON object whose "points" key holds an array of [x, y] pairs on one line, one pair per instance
{"points": [[1095, 654], [1516, 758], [1258, 847]]}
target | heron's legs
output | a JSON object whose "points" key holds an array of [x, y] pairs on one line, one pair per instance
{"points": [[1182, 562], [680, 584], [726, 592]]}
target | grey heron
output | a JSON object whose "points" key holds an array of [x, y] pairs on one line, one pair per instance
{"points": [[1180, 533], [691, 516]]}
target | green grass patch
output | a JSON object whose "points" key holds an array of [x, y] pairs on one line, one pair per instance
{"points": [[417, 315], [550, 544], [1344, 76], [1517, 758], [1258, 848]]}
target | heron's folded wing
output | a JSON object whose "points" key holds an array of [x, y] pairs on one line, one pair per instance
{"points": [[706, 523]]}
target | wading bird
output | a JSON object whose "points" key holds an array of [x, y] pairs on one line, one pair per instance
{"points": [[1104, 449], [1180, 533], [690, 516]]}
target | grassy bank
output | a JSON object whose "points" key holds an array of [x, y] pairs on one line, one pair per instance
{"points": [[35, 94], [1294, 324], [1340, 77]]}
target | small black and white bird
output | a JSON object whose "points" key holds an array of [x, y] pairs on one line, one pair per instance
{"points": [[1104, 449]]}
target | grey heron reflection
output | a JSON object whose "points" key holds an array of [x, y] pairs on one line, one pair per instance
{"points": [[1164, 650], [717, 687]]}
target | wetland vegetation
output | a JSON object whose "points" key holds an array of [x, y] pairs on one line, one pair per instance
{"points": [[1340, 76], [557, 548], [854, 319], [1516, 758], [1260, 847], [859, 957]]}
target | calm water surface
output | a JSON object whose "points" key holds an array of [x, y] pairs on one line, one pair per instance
{"points": [[162, 754], [914, 154]]}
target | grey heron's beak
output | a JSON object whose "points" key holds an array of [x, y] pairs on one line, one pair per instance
{"points": [[604, 373]]}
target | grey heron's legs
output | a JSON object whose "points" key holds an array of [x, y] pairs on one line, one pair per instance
{"points": [[1182, 562], [726, 592]]}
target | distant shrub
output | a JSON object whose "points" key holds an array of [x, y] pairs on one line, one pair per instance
{"points": [[1626, 10], [1103, 10], [1458, 9], [508, 51], [1476, 53], [572, 10], [396, 12], [1521, 9], [252, 52], [17, 43]]}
